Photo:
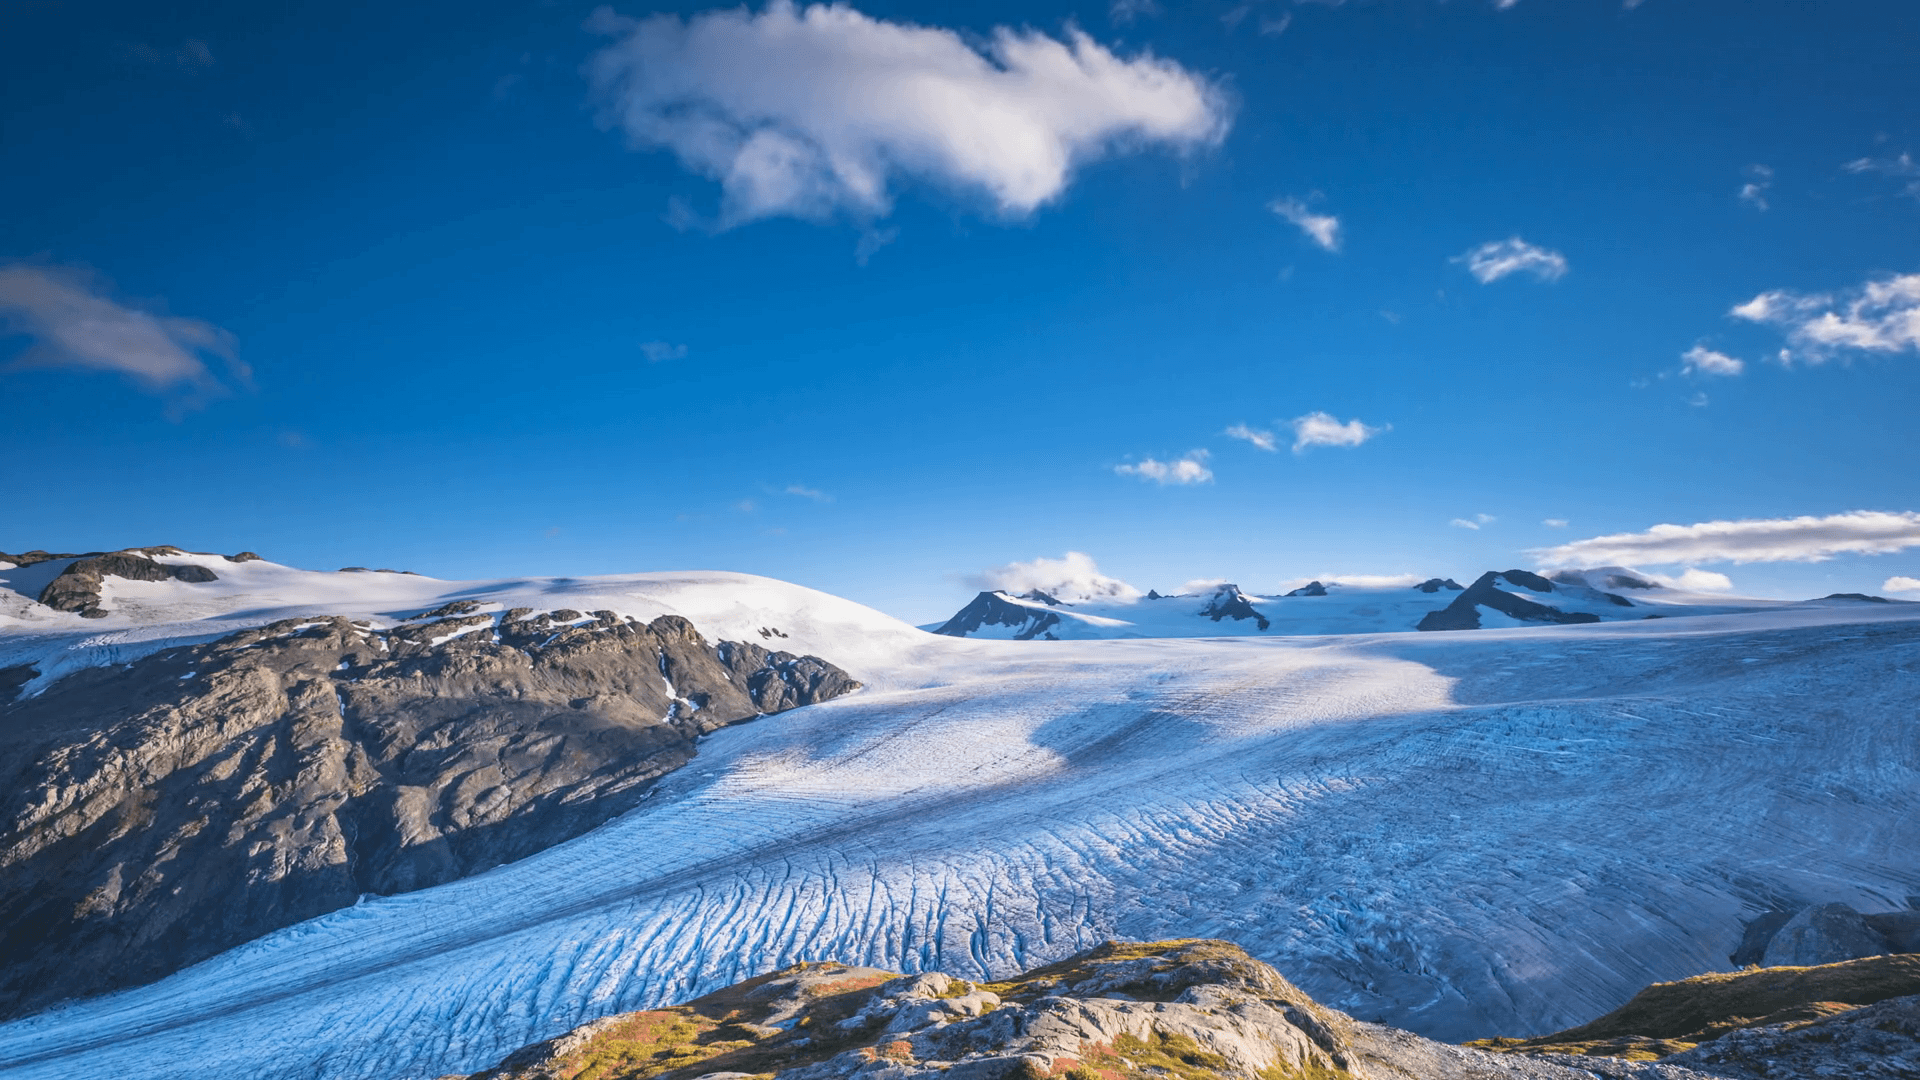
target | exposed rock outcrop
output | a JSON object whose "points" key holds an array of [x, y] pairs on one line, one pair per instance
{"points": [[77, 587], [995, 609], [1727, 1024], [1228, 602], [1434, 585], [1180, 1010], [1464, 612], [160, 812], [1311, 588]]}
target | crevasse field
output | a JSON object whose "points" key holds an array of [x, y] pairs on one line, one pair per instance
{"points": [[1464, 834]]}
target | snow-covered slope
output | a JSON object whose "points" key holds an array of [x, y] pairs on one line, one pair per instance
{"points": [[1510, 831], [1332, 608], [145, 616]]}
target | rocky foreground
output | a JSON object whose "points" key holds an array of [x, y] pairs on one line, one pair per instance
{"points": [[156, 813], [1199, 1010]]}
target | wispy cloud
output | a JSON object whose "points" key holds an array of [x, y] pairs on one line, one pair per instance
{"points": [[805, 492], [1878, 317], [815, 111], [1073, 578], [75, 324], [1494, 260], [1902, 167], [1324, 429], [1693, 580], [1188, 469], [1263, 439], [1754, 191], [1901, 583], [1473, 522], [1555, 523], [659, 351], [1701, 360], [190, 55], [1322, 229], [1125, 11], [1799, 539]]}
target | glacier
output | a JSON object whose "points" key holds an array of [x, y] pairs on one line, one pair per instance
{"points": [[1502, 831]]}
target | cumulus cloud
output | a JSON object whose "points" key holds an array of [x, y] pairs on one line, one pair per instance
{"points": [[74, 324], [1188, 469], [1492, 261], [813, 111], [1324, 429], [1693, 580], [1799, 539], [1878, 317], [1701, 360], [1901, 583], [1263, 439], [1074, 579], [1322, 229]]}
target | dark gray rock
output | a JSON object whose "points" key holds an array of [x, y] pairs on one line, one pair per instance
{"points": [[1434, 585], [1311, 588], [160, 812], [1861, 597], [13, 678], [1899, 929], [77, 588], [1464, 612], [1228, 602], [1826, 934], [244, 556], [1754, 939], [994, 609]]}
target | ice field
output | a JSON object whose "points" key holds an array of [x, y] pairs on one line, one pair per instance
{"points": [[1463, 834]]}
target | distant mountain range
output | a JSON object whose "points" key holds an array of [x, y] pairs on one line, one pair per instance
{"points": [[1504, 598]]}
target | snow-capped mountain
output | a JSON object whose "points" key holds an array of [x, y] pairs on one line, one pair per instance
{"points": [[1463, 834], [1496, 599]]}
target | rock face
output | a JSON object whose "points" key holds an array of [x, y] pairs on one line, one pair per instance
{"points": [[1464, 612], [1228, 602], [1311, 588], [994, 609], [1825, 934], [1434, 585], [77, 588], [1179, 1010], [160, 812]]}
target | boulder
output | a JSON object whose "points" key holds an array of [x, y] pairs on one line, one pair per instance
{"points": [[1826, 934]]}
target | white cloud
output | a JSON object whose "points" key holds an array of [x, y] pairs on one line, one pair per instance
{"points": [[1072, 579], [658, 351], [1800, 539], [1357, 581], [1754, 191], [1693, 580], [1324, 429], [1200, 585], [1881, 316], [1901, 583], [74, 324], [808, 493], [1262, 439], [1901, 168], [1125, 11], [1555, 523], [1701, 360], [1190, 469], [812, 111], [1500, 258], [1473, 522], [1322, 229]]}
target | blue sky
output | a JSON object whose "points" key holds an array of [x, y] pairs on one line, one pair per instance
{"points": [[873, 299]]}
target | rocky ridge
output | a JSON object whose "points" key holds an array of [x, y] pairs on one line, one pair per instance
{"points": [[1463, 613], [156, 813], [77, 587], [1177, 1010]]}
